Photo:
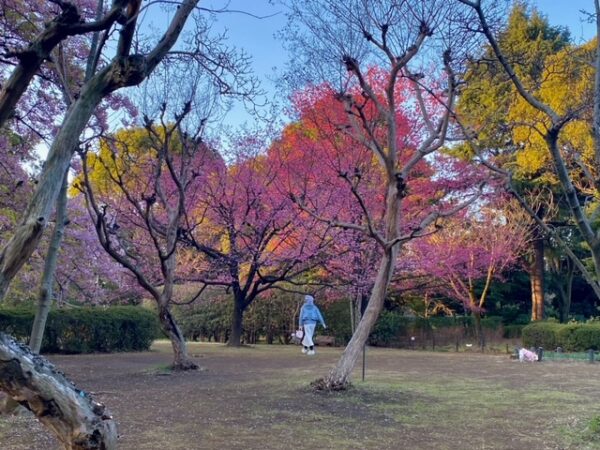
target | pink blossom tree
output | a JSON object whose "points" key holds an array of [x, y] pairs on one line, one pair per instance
{"points": [[87, 273], [138, 190], [250, 235], [471, 248]]}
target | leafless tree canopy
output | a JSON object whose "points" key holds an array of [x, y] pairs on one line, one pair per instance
{"points": [[321, 34]]}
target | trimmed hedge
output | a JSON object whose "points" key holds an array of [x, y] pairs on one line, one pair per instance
{"points": [[572, 337], [541, 334], [393, 329], [86, 330], [513, 331]]}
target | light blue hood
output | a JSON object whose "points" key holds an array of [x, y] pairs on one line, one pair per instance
{"points": [[309, 313]]}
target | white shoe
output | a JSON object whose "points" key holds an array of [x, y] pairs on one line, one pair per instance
{"points": [[304, 350], [311, 352]]}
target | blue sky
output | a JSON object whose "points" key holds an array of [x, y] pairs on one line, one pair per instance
{"points": [[257, 36], [567, 13]]}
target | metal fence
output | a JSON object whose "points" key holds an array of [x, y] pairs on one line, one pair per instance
{"points": [[590, 356]]}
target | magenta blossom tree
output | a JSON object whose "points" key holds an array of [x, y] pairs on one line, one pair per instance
{"points": [[251, 237], [471, 251], [138, 188]]}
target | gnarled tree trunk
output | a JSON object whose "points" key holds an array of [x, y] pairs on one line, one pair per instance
{"points": [[181, 360], [72, 415]]}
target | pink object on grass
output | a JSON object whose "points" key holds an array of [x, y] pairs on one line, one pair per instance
{"points": [[527, 355]]}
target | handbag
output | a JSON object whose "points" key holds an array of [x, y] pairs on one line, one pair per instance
{"points": [[297, 336]]}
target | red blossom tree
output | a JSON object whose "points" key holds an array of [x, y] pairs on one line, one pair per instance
{"points": [[364, 161]]}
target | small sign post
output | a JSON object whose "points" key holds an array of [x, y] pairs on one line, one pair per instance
{"points": [[364, 361]]}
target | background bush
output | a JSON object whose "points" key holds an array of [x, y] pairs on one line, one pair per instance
{"points": [[541, 334], [584, 337], [395, 329], [273, 318], [86, 330], [572, 337], [208, 321], [337, 318], [514, 331]]}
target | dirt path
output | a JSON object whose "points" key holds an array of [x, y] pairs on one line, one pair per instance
{"points": [[257, 398]]}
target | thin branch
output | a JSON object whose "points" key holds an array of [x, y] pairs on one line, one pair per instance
{"points": [[193, 299], [432, 217]]}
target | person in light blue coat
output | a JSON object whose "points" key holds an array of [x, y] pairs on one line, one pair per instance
{"points": [[309, 316]]}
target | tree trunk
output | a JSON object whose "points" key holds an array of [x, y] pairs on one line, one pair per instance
{"points": [[351, 303], [77, 421], [565, 293], [18, 250], [29, 232], [236, 322], [536, 274], [181, 360], [339, 377], [571, 195], [45, 294], [479, 330]]}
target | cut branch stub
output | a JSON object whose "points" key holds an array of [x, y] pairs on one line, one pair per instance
{"points": [[401, 185], [125, 72], [72, 415]]}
